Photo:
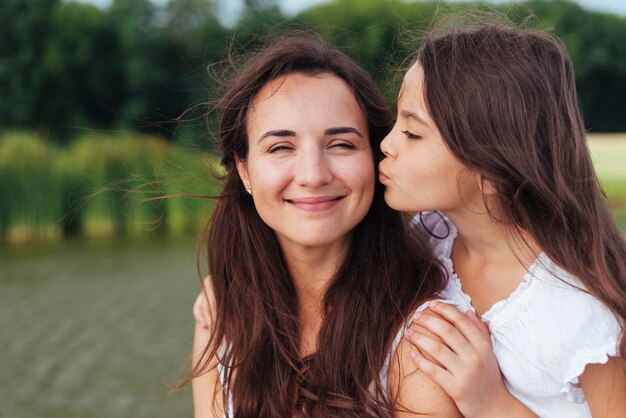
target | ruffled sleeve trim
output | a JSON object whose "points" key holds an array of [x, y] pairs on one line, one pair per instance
{"points": [[571, 387]]}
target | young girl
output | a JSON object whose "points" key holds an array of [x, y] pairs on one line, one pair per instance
{"points": [[489, 135]]}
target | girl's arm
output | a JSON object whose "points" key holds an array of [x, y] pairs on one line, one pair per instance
{"points": [[604, 386], [412, 392], [206, 388], [454, 350]]}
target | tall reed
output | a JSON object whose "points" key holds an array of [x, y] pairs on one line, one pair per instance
{"points": [[100, 186], [30, 189], [105, 185]]}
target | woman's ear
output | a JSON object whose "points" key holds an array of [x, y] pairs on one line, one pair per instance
{"points": [[242, 169]]}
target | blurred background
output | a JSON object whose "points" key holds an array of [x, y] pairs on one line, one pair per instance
{"points": [[103, 112]]}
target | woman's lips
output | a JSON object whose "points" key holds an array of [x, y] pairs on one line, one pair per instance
{"points": [[315, 204]]}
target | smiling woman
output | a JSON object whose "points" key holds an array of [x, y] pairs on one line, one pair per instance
{"points": [[312, 275], [310, 171]]}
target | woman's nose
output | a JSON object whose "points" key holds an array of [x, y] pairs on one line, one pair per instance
{"points": [[313, 169]]}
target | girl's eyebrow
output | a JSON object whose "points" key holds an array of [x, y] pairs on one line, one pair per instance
{"points": [[277, 132], [412, 115], [343, 130]]}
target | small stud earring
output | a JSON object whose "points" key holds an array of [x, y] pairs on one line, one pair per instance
{"points": [[249, 191]]}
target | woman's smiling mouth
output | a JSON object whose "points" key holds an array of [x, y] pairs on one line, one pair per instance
{"points": [[315, 204]]}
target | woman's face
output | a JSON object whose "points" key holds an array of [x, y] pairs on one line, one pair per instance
{"points": [[419, 172], [309, 164]]}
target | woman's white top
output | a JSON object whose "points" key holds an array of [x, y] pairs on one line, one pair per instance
{"points": [[543, 335]]}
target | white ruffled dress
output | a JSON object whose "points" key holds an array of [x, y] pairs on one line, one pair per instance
{"points": [[543, 334]]}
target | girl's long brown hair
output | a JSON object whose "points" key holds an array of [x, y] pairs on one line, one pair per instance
{"points": [[386, 273], [504, 100]]}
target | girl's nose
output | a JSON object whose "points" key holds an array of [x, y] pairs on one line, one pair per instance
{"points": [[387, 146]]}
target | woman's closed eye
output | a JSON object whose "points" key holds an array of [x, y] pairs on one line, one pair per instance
{"points": [[279, 148], [342, 145]]}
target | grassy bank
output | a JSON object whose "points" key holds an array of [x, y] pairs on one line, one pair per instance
{"points": [[609, 156], [99, 186], [105, 185]]}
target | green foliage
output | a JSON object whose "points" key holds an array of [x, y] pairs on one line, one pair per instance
{"points": [[129, 185], [101, 186], [67, 68], [77, 69], [597, 45], [23, 34], [138, 65], [379, 35], [30, 189]]}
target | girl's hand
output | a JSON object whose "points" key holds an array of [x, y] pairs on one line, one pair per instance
{"points": [[454, 350], [204, 305]]}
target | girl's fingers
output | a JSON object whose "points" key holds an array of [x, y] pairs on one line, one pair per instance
{"points": [[443, 329], [435, 349], [463, 323], [200, 311], [438, 374], [480, 324], [204, 306]]}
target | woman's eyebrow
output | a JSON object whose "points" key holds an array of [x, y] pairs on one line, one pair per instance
{"points": [[343, 130], [277, 132], [329, 131]]}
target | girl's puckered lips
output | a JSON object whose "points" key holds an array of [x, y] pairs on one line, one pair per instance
{"points": [[382, 177]]}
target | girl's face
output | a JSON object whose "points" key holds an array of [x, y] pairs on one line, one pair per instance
{"points": [[419, 172], [309, 165]]}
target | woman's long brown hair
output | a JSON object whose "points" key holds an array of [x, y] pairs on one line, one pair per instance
{"points": [[505, 102], [386, 273]]}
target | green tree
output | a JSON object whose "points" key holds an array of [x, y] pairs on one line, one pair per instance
{"points": [[380, 35], [24, 29], [57, 66], [79, 69], [597, 45]]}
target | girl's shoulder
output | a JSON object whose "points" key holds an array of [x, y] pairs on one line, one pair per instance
{"points": [[548, 331], [570, 327], [561, 293], [561, 304]]}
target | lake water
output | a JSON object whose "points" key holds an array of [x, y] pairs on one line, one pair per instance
{"points": [[96, 329]]}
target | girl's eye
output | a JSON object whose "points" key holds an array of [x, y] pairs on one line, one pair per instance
{"points": [[411, 135]]}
